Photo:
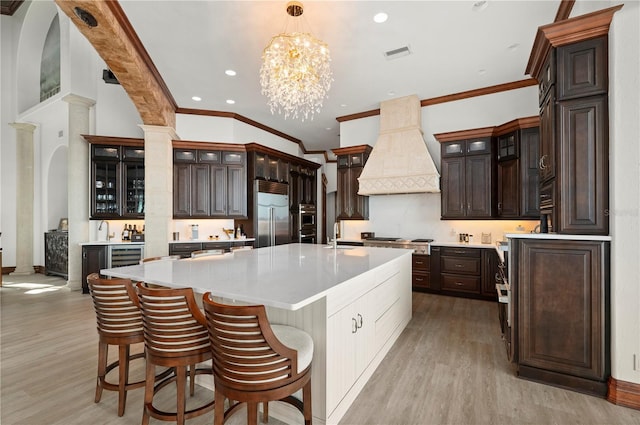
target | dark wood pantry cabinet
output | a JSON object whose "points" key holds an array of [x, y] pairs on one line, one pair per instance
{"points": [[350, 205], [570, 61]]}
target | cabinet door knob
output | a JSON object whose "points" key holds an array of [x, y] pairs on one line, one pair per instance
{"points": [[459, 283]]}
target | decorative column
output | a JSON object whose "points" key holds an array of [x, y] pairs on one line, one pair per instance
{"points": [[158, 188], [24, 198], [78, 184]]}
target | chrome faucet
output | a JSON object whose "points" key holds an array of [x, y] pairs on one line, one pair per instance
{"points": [[335, 234]]}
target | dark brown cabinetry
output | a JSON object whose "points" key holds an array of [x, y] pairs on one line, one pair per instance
{"points": [[562, 310], [518, 176], [117, 176], [574, 134], [421, 271], [94, 259], [270, 167], [468, 178], [457, 271], [461, 270], [350, 205], [56, 253], [184, 249], [209, 184], [264, 163]]}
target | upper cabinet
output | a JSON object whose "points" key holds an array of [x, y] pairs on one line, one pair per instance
{"points": [[350, 205], [569, 60], [117, 178], [209, 183], [468, 174], [518, 177], [491, 172]]}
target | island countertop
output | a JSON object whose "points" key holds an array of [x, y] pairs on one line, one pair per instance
{"points": [[284, 276]]}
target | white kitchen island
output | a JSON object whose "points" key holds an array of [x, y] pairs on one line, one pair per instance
{"points": [[353, 301]]}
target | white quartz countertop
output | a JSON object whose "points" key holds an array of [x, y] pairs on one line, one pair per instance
{"points": [[557, 236], [214, 240], [284, 276], [464, 245], [111, 243]]}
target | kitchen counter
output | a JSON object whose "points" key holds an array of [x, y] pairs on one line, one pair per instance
{"points": [[110, 243], [214, 240], [353, 301], [284, 276], [557, 236]]}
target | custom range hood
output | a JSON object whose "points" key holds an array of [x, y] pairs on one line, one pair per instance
{"points": [[399, 161]]}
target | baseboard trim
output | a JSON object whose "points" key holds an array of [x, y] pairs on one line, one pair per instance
{"points": [[36, 269], [624, 393]]}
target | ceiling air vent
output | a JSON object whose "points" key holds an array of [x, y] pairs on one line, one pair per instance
{"points": [[397, 53]]}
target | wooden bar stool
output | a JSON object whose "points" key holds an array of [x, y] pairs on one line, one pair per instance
{"points": [[255, 362], [175, 336], [119, 323]]}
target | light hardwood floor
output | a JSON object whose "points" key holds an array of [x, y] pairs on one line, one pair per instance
{"points": [[448, 367]]}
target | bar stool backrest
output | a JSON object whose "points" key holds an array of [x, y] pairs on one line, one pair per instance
{"points": [[174, 326], [247, 356], [117, 307]]}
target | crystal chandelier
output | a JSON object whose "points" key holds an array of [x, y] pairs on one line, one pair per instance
{"points": [[295, 74]]}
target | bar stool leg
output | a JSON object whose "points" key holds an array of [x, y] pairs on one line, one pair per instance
{"points": [[265, 412], [103, 350], [252, 413], [150, 381], [192, 379], [181, 382], [123, 377], [306, 400]]}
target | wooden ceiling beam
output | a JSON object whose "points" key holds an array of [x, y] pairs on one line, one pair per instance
{"points": [[118, 45]]}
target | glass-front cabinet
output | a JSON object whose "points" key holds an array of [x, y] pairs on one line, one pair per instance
{"points": [[117, 175]]}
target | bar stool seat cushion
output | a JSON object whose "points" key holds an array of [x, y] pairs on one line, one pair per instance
{"points": [[298, 340]]}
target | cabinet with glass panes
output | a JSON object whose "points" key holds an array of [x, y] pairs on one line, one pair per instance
{"points": [[117, 176]]}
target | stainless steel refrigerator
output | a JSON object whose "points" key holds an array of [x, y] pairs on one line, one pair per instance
{"points": [[272, 213]]}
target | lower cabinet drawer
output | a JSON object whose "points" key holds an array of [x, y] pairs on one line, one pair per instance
{"points": [[463, 265], [461, 283], [421, 279]]}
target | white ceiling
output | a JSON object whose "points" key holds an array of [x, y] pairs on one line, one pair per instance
{"points": [[454, 49]]}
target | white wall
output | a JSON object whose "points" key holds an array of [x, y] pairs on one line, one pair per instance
{"points": [[624, 135]]}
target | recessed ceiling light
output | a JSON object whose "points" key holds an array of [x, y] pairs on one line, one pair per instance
{"points": [[380, 17], [513, 47], [391, 93], [479, 6], [343, 105], [230, 72], [328, 128], [231, 101], [196, 98], [482, 71]]}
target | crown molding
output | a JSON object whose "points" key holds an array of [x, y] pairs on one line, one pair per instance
{"points": [[452, 97], [568, 31]]}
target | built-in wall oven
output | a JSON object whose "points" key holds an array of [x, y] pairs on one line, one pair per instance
{"points": [[307, 223]]}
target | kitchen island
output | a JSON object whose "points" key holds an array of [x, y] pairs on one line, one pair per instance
{"points": [[353, 301]]}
